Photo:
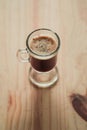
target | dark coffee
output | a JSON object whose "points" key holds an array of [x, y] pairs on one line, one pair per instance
{"points": [[43, 46]]}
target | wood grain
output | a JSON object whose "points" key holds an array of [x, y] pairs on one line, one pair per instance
{"points": [[22, 105]]}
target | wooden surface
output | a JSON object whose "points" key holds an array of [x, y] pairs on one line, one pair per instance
{"points": [[22, 106]]}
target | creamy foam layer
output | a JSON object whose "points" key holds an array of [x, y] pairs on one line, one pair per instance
{"points": [[43, 45]]}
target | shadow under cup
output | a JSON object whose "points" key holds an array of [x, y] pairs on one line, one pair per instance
{"points": [[43, 71]]}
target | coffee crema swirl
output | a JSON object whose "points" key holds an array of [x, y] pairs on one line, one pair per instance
{"points": [[43, 45]]}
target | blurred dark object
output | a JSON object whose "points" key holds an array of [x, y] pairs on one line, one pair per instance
{"points": [[79, 103]]}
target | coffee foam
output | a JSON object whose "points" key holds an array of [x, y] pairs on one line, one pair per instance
{"points": [[43, 45]]}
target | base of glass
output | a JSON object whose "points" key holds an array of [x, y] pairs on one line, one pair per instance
{"points": [[43, 79]]}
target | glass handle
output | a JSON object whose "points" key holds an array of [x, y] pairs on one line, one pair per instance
{"points": [[23, 55]]}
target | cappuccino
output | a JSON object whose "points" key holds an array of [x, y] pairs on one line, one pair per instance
{"points": [[43, 46]]}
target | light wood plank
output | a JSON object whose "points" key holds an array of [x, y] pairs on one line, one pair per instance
{"points": [[22, 105]]}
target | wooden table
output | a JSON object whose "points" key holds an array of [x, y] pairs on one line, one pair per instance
{"points": [[23, 106]]}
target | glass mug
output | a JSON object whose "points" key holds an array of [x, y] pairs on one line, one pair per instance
{"points": [[43, 71]]}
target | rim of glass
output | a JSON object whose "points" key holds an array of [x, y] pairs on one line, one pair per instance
{"points": [[58, 41]]}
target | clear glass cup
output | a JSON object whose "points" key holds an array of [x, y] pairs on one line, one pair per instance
{"points": [[43, 71]]}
